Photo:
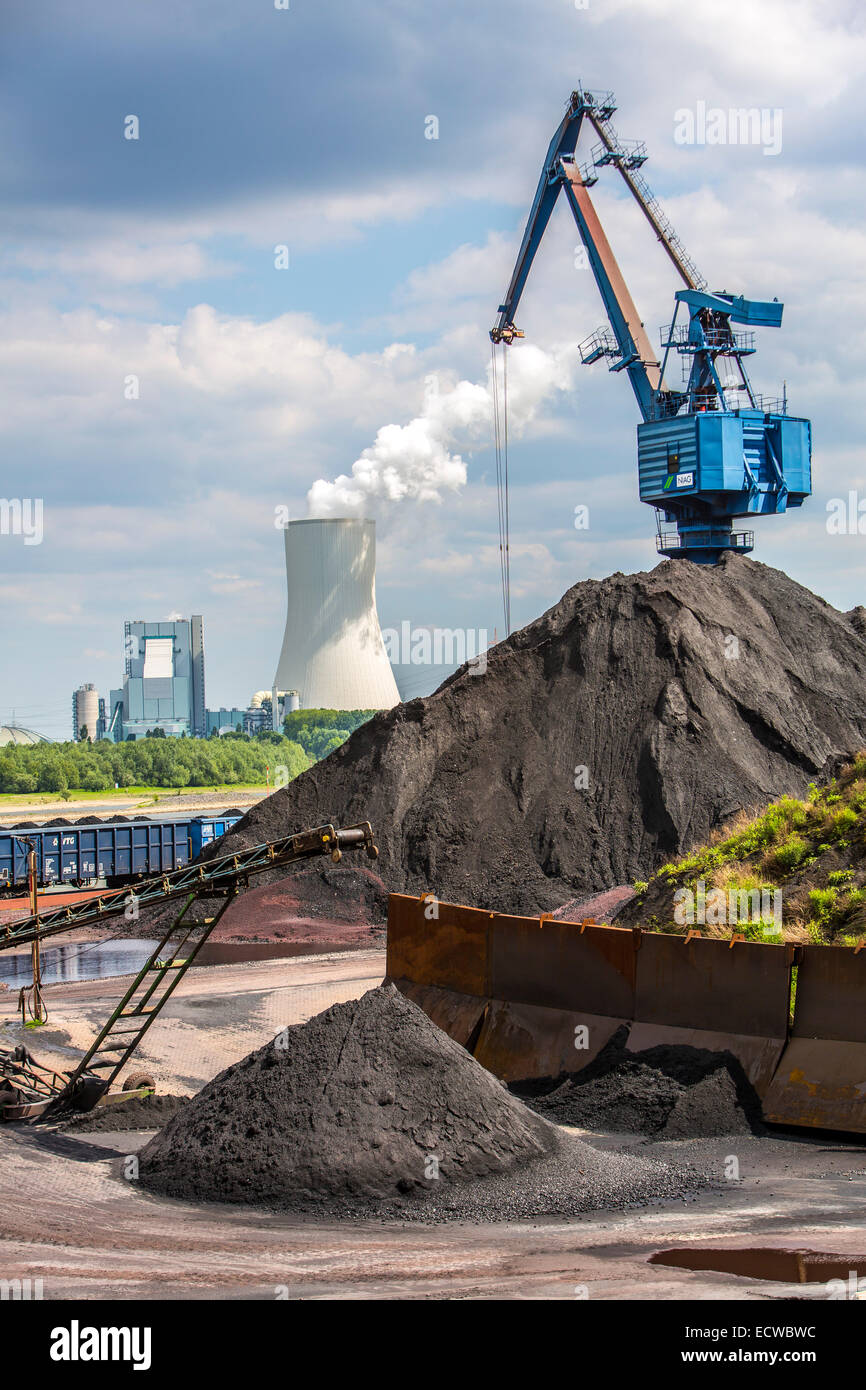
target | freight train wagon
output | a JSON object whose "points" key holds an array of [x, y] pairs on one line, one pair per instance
{"points": [[117, 851]]}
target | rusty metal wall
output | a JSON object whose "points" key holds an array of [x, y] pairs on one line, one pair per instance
{"points": [[821, 1078], [458, 1015], [562, 965], [522, 1042], [548, 995], [559, 991], [449, 950], [716, 995], [518, 991]]}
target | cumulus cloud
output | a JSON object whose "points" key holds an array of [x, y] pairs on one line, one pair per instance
{"points": [[123, 260], [419, 462]]}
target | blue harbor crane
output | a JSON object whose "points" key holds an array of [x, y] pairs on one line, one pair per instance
{"points": [[712, 451]]}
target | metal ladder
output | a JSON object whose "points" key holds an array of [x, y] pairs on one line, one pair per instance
{"points": [[155, 982], [157, 979], [627, 160]]}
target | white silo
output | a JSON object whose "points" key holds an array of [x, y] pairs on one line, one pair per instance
{"points": [[333, 653], [85, 711]]}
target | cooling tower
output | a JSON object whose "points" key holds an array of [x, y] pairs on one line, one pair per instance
{"points": [[333, 653]]}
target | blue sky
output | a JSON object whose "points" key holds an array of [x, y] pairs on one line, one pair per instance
{"points": [[306, 128]]}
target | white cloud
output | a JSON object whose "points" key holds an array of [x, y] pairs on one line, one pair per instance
{"points": [[168, 501]]}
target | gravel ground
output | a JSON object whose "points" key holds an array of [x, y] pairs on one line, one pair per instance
{"points": [[598, 907]]}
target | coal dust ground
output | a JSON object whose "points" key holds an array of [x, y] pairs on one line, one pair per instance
{"points": [[669, 1092], [369, 1110]]}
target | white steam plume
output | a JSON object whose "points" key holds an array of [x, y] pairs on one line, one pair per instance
{"points": [[418, 461]]}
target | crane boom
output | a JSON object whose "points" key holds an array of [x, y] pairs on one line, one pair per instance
{"points": [[630, 345], [564, 142], [633, 345]]}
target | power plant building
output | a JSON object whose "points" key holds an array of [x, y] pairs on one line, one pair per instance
{"points": [[163, 687], [333, 653]]}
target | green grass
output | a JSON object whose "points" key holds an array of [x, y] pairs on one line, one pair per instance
{"points": [[793, 846]]}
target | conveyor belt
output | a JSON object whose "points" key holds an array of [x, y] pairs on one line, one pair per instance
{"points": [[230, 869]]}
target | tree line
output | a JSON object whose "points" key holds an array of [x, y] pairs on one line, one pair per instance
{"points": [[228, 760]]}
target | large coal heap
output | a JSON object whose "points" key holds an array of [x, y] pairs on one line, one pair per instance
{"points": [[686, 693]]}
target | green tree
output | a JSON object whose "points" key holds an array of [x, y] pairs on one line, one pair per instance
{"points": [[320, 731], [52, 778], [96, 780]]}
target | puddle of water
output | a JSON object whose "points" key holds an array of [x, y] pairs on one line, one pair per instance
{"points": [[783, 1266], [85, 960], [100, 960]]}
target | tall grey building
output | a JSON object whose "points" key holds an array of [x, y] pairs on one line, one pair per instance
{"points": [[163, 687]]}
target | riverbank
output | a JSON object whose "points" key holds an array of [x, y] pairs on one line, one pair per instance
{"points": [[152, 801]]}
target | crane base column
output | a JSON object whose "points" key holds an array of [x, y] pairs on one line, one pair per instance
{"points": [[705, 545]]}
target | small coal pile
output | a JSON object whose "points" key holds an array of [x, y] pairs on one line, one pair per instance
{"points": [[369, 1109], [139, 1112], [668, 1092]]}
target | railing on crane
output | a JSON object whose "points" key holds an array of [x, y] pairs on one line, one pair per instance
{"points": [[627, 156]]}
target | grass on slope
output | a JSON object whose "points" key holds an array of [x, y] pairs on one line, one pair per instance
{"points": [[813, 852]]}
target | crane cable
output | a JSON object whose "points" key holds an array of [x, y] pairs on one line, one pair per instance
{"points": [[500, 436]]}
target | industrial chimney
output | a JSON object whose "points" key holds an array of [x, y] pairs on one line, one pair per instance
{"points": [[333, 653]]}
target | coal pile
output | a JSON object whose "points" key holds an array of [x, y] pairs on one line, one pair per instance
{"points": [[369, 1109], [139, 1112], [668, 1092], [636, 679]]}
